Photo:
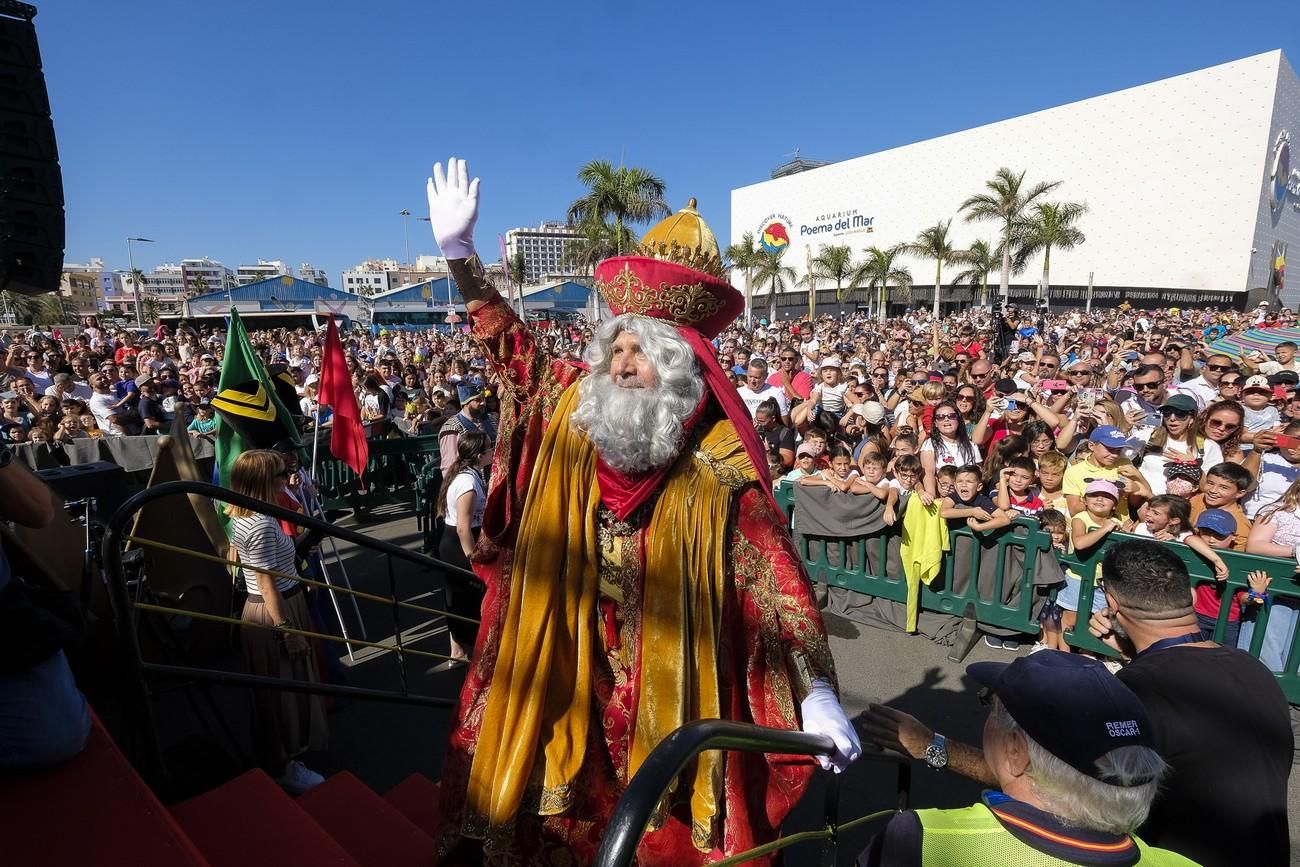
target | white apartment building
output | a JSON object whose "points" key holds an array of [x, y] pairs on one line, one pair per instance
{"points": [[543, 247], [81, 289], [205, 275], [265, 269], [108, 283], [312, 274], [369, 277]]}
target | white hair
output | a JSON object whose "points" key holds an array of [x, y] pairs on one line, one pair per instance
{"points": [[636, 429], [1118, 802]]}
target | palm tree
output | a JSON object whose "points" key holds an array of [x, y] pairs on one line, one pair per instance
{"points": [[200, 285], [52, 309], [769, 269], [149, 308], [879, 270], [934, 243], [1005, 202], [624, 194], [20, 306], [518, 270], [981, 259], [599, 241], [744, 256], [1050, 225], [835, 262]]}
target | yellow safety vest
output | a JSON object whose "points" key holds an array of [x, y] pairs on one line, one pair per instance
{"points": [[973, 837]]}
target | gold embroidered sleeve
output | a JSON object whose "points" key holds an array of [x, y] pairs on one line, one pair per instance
{"points": [[767, 562]]}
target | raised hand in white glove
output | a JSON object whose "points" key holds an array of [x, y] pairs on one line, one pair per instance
{"points": [[822, 715], [453, 209]]}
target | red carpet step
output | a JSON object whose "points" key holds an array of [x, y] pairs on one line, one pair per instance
{"points": [[371, 830], [251, 821], [416, 798], [93, 810]]}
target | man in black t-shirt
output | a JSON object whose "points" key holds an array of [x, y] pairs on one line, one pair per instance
{"points": [[1220, 719]]}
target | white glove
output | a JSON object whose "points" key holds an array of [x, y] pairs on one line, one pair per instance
{"points": [[822, 715], [453, 209], [1297, 555]]}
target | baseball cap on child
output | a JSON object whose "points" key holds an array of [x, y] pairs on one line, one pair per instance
{"points": [[1258, 382], [805, 450], [1102, 486], [1217, 521], [1108, 435]]}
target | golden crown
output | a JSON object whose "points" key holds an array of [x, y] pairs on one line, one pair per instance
{"points": [[684, 238]]}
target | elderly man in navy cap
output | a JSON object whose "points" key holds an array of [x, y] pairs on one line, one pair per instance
{"points": [[1072, 754], [473, 416]]}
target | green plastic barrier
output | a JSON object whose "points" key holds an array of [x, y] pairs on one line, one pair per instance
{"points": [[1020, 613], [393, 463]]}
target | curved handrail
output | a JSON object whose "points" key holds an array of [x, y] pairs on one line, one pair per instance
{"points": [[667, 760]]}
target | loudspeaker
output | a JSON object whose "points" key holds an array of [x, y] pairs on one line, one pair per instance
{"points": [[104, 481], [31, 184]]}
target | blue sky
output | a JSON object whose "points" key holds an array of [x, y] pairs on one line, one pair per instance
{"points": [[298, 131]]}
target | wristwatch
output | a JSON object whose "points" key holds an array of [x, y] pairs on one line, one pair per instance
{"points": [[936, 754]]}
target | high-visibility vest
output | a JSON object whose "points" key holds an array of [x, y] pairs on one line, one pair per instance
{"points": [[973, 837]]}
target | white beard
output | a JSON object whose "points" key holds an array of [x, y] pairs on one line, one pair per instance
{"points": [[634, 429]]}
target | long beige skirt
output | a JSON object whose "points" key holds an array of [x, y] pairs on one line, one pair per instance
{"points": [[285, 724]]}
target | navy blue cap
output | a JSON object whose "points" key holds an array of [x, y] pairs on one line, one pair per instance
{"points": [[466, 393], [1217, 521], [1107, 435], [1069, 704]]}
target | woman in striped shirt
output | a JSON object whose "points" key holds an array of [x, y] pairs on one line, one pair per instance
{"points": [[287, 724]]}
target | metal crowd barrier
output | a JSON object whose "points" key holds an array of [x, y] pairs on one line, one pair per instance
{"points": [[957, 592], [671, 756], [129, 601]]}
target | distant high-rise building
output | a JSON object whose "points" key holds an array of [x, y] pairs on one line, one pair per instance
{"points": [[543, 248], [264, 270], [81, 289], [369, 277], [312, 274]]}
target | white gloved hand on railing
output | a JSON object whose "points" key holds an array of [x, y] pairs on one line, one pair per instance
{"points": [[453, 209], [823, 715]]}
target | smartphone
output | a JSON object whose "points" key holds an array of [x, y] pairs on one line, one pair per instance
{"points": [[1054, 385], [1286, 442], [1011, 406], [1087, 400]]}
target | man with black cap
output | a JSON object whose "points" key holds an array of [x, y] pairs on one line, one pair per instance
{"points": [[472, 416], [1072, 752]]}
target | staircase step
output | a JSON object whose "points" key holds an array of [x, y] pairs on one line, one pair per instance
{"points": [[417, 799], [250, 820], [368, 827], [94, 809]]}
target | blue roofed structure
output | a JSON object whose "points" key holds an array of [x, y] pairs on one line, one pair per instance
{"points": [[284, 299]]}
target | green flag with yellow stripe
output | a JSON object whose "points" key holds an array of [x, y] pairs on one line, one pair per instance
{"points": [[250, 414]]}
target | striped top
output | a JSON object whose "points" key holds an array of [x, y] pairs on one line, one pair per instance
{"points": [[262, 544]]}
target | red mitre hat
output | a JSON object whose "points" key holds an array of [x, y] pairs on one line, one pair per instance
{"points": [[677, 277]]}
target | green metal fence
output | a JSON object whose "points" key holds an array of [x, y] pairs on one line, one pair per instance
{"points": [[843, 563]]}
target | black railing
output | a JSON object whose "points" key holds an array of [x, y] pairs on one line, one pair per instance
{"points": [[126, 611], [671, 756]]}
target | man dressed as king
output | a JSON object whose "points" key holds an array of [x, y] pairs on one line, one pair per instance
{"points": [[639, 574]]}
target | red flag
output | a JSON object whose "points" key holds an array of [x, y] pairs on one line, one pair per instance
{"points": [[348, 439]]}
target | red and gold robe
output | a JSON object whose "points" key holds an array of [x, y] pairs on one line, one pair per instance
{"points": [[768, 645]]}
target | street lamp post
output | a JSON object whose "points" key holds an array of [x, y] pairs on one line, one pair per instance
{"points": [[450, 305], [130, 258], [406, 235]]}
